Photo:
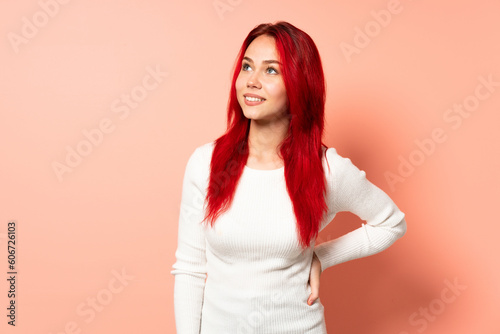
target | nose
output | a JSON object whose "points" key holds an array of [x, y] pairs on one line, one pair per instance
{"points": [[253, 80]]}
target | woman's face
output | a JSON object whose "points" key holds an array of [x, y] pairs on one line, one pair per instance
{"points": [[259, 87]]}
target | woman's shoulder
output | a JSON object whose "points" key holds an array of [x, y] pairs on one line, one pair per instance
{"points": [[337, 165], [198, 164], [331, 157], [205, 150], [202, 152], [347, 183]]}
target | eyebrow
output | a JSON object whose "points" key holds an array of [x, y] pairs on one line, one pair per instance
{"points": [[264, 61]]}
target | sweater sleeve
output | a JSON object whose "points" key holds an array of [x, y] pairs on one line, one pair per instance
{"points": [[190, 266], [351, 191]]}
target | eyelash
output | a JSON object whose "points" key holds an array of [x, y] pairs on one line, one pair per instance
{"points": [[272, 68], [244, 66]]}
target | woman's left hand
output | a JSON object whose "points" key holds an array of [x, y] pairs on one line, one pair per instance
{"points": [[314, 275]]}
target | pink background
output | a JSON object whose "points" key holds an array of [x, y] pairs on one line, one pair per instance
{"points": [[65, 69]]}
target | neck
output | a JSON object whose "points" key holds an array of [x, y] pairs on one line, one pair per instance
{"points": [[265, 137]]}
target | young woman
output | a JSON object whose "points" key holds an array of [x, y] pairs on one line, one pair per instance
{"points": [[254, 200]]}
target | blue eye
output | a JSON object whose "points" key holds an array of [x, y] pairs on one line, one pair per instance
{"points": [[271, 70]]}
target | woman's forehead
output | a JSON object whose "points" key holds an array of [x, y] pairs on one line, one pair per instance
{"points": [[262, 48]]}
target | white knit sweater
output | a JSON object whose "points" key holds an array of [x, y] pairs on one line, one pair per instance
{"points": [[256, 272]]}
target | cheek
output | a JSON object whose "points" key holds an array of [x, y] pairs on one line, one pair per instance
{"points": [[284, 96], [239, 84], [279, 93]]}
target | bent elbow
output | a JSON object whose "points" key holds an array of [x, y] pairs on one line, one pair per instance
{"points": [[401, 228]]}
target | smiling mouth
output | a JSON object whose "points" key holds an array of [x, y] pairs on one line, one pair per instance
{"points": [[253, 99]]}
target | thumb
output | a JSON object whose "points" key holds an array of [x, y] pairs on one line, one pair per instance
{"points": [[314, 280]]}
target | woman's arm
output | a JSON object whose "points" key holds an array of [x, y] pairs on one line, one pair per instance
{"points": [[190, 266], [351, 191]]}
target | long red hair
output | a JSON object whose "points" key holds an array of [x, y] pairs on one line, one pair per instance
{"points": [[301, 149]]}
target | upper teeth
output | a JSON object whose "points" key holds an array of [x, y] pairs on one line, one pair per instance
{"points": [[253, 99]]}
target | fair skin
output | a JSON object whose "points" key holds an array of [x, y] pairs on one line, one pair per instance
{"points": [[262, 96]]}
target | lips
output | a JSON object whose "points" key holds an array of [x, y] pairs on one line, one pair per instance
{"points": [[253, 98]]}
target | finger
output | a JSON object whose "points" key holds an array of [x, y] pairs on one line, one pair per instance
{"points": [[314, 280], [311, 299]]}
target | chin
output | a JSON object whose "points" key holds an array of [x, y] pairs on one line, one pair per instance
{"points": [[247, 116]]}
